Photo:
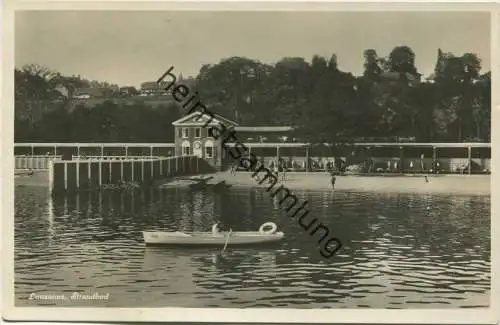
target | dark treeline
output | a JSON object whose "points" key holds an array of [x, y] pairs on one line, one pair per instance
{"points": [[389, 101]]}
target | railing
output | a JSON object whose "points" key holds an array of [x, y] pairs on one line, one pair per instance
{"points": [[34, 162], [75, 157]]}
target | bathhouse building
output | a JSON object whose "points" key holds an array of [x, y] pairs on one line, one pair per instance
{"points": [[194, 135]]}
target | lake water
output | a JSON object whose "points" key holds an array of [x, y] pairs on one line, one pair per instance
{"points": [[400, 251]]}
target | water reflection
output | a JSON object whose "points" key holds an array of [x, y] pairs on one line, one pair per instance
{"points": [[399, 251]]}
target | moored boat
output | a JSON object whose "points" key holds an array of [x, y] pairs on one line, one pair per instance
{"points": [[214, 239], [221, 186], [216, 187]]}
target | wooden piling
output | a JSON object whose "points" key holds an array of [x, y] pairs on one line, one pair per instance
{"points": [[469, 152], [90, 174], [65, 176], [51, 176], [100, 173], [133, 170], [110, 179], [78, 174], [142, 171]]}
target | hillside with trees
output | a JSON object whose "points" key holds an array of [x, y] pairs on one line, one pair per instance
{"points": [[390, 100]]}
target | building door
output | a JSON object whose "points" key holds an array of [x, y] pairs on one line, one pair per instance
{"points": [[197, 149]]}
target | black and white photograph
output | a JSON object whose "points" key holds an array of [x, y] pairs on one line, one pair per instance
{"points": [[253, 161]]}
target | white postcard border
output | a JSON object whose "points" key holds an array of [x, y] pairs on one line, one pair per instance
{"points": [[264, 315]]}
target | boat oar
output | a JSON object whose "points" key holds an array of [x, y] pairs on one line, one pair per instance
{"points": [[227, 240]]}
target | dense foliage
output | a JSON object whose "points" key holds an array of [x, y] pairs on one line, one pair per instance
{"points": [[325, 104]]}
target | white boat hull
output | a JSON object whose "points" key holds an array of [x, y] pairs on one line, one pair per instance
{"points": [[209, 239]]}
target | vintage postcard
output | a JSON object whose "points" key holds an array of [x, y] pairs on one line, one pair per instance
{"points": [[249, 162]]}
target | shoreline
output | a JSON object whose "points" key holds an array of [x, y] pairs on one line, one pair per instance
{"points": [[442, 184], [319, 181]]}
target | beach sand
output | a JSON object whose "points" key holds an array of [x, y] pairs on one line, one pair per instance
{"points": [[441, 184], [39, 178]]}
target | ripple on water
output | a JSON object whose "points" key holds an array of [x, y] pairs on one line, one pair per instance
{"points": [[396, 254]]}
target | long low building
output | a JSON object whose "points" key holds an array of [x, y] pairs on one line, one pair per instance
{"points": [[196, 134]]}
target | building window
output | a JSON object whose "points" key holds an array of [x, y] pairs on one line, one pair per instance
{"points": [[213, 132], [209, 149], [209, 152], [197, 133], [186, 148], [185, 133], [179, 132]]}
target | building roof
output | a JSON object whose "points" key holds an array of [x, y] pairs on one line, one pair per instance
{"points": [[256, 144], [93, 92], [426, 144], [127, 88], [270, 144], [199, 119], [94, 145], [394, 144], [150, 85], [262, 129]]}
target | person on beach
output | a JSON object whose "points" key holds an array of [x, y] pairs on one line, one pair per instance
{"points": [[282, 169], [343, 166], [233, 169], [333, 180]]}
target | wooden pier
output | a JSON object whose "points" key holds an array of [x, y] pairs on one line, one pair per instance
{"points": [[93, 172]]}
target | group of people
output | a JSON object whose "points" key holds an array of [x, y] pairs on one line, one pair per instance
{"points": [[278, 169]]}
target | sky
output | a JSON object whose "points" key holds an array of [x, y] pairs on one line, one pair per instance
{"points": [[131, 47]]}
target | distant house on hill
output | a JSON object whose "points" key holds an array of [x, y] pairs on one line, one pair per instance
{"points": [[189, 82], [114, 88], [62, 90], [85, 93], [128, 91], [150, 88]]}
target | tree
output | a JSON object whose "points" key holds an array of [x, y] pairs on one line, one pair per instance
{"points": [[402, 60], [372, 64], [460, 99], [324, 103]]}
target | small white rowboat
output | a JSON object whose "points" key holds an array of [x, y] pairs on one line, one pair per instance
{"points": [[210, 239]]}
